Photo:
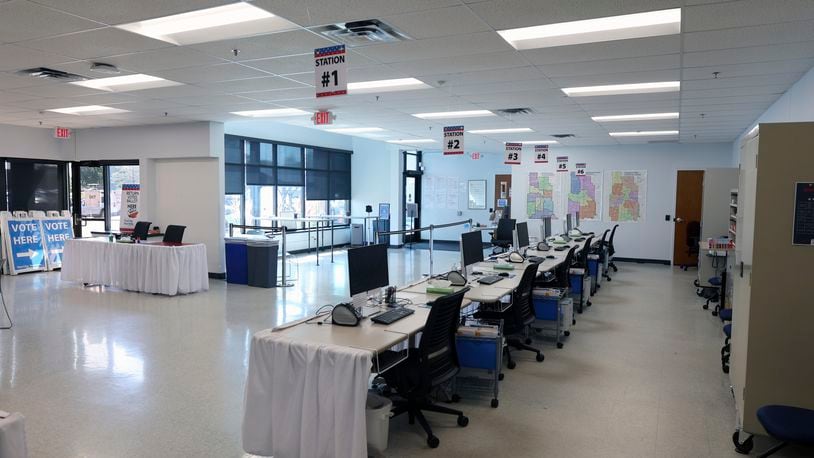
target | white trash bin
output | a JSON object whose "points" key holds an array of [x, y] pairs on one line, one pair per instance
{"points": [[377, 417]]}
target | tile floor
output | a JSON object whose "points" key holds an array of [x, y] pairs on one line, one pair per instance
{"points": [[107, 373]]}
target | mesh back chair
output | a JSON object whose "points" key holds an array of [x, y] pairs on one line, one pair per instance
{"points": [[612, 250], [141, 230], [603, 251], [580, 268], [434, 364], [174, 234], [503, 237]]}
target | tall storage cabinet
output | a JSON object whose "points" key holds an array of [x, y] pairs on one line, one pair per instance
{"points": [[773, 305]]}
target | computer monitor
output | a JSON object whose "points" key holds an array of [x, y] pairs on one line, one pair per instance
{"points": [[576, 219], [546, 227], [367, 268], [471, 249], [522, 230], [568, 225]]}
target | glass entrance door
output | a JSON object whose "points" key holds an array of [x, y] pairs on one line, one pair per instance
{"points": [[412, 195], [93, 199], [96, 194]]}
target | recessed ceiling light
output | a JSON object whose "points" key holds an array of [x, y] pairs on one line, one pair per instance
{"points": [[620, 89], [397, 84], [639, 25], [644, 133], [539, 142], [412, 141], [271, 113], [126, 83], [355, 130], [88, 110], [636, 117], [455, 114], [500, 131], [236, 20]]}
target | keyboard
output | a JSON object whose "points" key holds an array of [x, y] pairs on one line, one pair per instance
{"points": [[391, 316], [489, 279]]}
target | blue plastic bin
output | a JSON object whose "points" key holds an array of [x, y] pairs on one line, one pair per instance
{"points": [[237, 261], [477, 353], [576, 284], [545, 307]]}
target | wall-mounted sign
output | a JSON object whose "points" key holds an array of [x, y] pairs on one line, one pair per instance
{"points": [[541, 154], [62, 132], [562, 163], [322, 118], [803, 214], [454, 140], [581, 166], [475, 156], [330, 71], [513, 151]]}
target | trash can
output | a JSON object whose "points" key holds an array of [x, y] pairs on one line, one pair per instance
{"points": [[377, 418], [262, 257], [237, 264], [357, 234]]}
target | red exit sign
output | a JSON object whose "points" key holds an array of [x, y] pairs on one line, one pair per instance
{"points": [[475, 156], [323, 117], [62, 132]]}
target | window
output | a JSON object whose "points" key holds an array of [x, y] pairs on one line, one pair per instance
{"points": [[34, 185], [119, 175], [265, 179]]}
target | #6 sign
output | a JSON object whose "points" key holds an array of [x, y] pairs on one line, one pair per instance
{"points": [[25, 249], [55, 232]]}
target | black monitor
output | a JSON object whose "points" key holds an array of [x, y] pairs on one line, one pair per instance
{"points": [[471, 249], [568, 224], [576, 219], [522, 235], [547, 227], [367, 268]]}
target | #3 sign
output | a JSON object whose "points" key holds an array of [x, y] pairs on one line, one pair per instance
{"points": [[330, 71], [55, 232], [541, 154], [454, 140], [25, 245], [513, 151], [562, 163]]}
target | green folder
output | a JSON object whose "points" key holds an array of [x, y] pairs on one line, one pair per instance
{"points": [[440, 290], [503, 267]]}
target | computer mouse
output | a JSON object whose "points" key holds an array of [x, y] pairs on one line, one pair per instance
{"points": [[550, 257], [503, 274]]}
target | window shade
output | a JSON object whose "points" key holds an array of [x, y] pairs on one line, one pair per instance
{"points": [[234, 179], [316, 185], [259, 175], [340, 186]]}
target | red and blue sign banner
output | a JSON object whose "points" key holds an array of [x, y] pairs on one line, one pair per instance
{"points": [[454, 140], [513, 153], [330, 71]]}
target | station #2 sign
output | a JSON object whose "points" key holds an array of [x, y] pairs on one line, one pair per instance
{"points": [[26, 252], [330, 71]]}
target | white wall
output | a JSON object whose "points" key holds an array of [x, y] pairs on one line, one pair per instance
{"points": [[193, 139], [652, 238], [465, 169], [34, 143]]}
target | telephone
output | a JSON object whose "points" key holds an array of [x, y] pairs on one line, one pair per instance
{"points": [[456, 279], [516, 257], [542, 246], [345, 314]]}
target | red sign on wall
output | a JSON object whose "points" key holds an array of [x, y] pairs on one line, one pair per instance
{"points": [[323, 117], [62, 132]]}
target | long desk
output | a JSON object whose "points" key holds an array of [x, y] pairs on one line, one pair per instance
{"points": [[150, 267]]}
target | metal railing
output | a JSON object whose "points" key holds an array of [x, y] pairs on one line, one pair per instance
{"points": [[430, 228]]}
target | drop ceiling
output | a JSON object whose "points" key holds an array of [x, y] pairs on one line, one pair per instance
{"points": [[760, 48]]}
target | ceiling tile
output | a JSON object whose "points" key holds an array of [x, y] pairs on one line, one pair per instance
{"points": [[318, 12], [13, 57], [469, 63], [210, 73], [264, 46], [117, 12], [95, 43], [750, 69], [286, 65], [603, 67], [744, 13], [253, 84], [24, 20], [473, 43], [439, 22], [742, 37], [161, 59], [619, 49], [749, 55]]}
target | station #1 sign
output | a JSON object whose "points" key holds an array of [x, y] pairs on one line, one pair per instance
{"points": [[25, 245], [330, 71]]}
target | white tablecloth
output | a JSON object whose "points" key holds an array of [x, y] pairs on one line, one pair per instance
{"points": [[305, 400], [144, 267]]}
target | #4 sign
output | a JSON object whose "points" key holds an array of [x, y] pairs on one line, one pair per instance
{"points": [[25, 248], [330, 71], [513, 151], [581, 166], [454, 140], [562, 163], [541, 154]]}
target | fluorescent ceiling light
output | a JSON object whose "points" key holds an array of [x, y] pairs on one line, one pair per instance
{"points": [[355, 130], [412, 141], [539, 142], [620, 89], [126, 83], [455, 114], [398, 84], [88, 110], [236, 20], [636, 117], [639, 25], [271, 113], [500, 131], [644, 133]]}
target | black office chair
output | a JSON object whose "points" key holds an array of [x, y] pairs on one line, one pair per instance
{"points": [[503, 237], [518, 318], [174, 234], [692, 239], [580, 268], [600, 250], [612, 250], [435, 363], [141, 230]]}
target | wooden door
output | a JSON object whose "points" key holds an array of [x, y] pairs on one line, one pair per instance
{"points": [[689, 196], [503, 192]]}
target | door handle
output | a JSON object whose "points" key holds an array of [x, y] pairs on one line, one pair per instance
{"points": [[678, 219]]}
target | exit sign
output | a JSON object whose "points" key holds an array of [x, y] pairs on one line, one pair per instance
{"points": [[475, 156], [62, 132], [323, 117]]}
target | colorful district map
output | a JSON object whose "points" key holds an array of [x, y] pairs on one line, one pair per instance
{"points": [[627, 196], [585, 195], [540, 197]]}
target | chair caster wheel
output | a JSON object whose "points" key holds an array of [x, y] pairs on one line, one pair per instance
{"points": [[573, 322], [559, 345], [463, 421], [579, 311], [566, 333], [696, 283], [540, 357], [725, 369], [495, 403], [455, 398], [742, 447], [511, 364], [590, 303], [501, 376], [714, 313], [433, 442], [705, 306], [528, 341]]}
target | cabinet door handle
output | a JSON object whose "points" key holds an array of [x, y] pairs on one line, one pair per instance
{"points": [[741, 269]]}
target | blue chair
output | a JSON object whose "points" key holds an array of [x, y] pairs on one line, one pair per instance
{"points": [[725, 315], [789, 425]]}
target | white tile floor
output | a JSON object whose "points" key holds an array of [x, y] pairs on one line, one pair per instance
{"points": [[106, 373]]}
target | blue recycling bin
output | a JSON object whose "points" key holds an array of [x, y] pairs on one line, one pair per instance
{"points": [[237, 261]]}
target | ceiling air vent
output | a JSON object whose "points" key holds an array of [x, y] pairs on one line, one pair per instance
{"points": [[514, 111], [50, 74], [563, 135], [361, 33]]}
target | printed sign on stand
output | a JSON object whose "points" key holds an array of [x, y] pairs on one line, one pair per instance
{"points": [[513, 152], [330, 71], [25, 248], [129, 210], [541, 154], [55, 231], [562, 163], [581, 166], [454, 140]]}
